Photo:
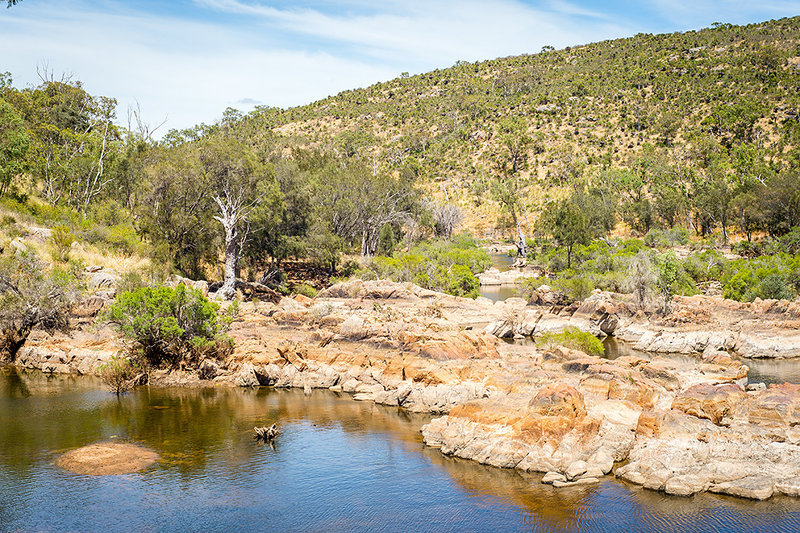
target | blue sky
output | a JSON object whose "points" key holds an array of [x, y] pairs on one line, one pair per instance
{"points": [[187, 60]]}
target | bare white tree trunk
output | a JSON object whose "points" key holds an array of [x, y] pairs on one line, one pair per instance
{"points": [[233, 211], [522, 247]]}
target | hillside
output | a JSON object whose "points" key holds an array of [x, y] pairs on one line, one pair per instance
{"points": [[630, 103], [689, 141]]}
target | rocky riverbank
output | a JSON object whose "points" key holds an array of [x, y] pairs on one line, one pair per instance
{"points": [[681, 426], [695, 325]]}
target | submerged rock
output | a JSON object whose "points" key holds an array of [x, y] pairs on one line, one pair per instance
{"points": [[107, 458]]}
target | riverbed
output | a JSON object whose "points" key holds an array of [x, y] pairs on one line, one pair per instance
{"points": [[338, 465], [766, 370]]}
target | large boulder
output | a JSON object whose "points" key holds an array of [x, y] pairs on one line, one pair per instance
{"points": [[777, 406], [103, 279], [558, 400], [712, 402]]}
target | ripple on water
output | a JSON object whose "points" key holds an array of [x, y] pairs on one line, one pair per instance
{"points": [[337, 465]]}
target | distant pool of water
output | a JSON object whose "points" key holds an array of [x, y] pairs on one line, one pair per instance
{"points": [[761, 370], [502, 262], [499, 293], [338, 465]]}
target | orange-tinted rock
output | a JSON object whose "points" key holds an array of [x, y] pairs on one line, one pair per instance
{"points": [[649, 424], [294, 354], [712, 402], [541, 429], [778, 405], [635, 390], [597, 385], [558, 400], [303, 300], [464, 345]]}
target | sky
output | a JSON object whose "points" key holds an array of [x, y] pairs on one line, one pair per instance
{"points": [[183, 62]]}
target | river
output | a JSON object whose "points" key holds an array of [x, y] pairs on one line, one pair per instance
{"points": [[338, 465], [498, 293]]}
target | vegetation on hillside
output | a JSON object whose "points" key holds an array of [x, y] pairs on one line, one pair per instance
{"points": [[687, 135], [698, 129]]}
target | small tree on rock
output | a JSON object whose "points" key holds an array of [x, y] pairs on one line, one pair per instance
{"points": [[569, 226], [667, 273]]}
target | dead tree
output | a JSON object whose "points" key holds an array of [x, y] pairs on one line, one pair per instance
{"points": [[234, 212], [446, 217], [266, 434]]}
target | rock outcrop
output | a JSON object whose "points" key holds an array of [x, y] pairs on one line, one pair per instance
{"points": [[79, 352], [681, 425], [696, 324]]}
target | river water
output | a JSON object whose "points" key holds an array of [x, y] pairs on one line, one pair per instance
{"points": [[338, 465], [498, 293]]}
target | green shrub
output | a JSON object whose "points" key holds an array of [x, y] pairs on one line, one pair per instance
{"points": [[747, 249], [705, 265], [766, 276], [305, 290], [462, 282], [574, 339], [170, 325], [30, 296], [153, 275], [773, 287], [444, 266], [123, 238], [658, 238], [61, 241], [791, 241], [120, 374], [576, 287]]}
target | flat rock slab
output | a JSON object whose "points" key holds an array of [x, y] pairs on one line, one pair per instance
{"points": [[107, 459]]}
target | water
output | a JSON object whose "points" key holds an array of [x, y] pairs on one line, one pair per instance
{"points": [[338, 465], [498, 293], [502, 262], [761, 370]]}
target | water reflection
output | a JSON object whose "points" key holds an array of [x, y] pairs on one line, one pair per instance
{"points": [[499, 293], [773, 370], [761, 370], [337, 465], [502, 262]]}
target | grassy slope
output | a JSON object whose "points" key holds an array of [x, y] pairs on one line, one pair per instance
{"points": [[586, 107]]}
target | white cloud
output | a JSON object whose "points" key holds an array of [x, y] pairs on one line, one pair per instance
{"points": [[239, 53], [187, 71], [439, 32]]}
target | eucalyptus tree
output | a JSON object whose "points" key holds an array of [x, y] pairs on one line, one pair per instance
{"points": [[14, 143], [233, 172], [73, 140], [568, 224], [173, 211], [510, 161]]}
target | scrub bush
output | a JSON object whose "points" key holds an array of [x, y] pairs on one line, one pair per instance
{"points": [[170, 325]]}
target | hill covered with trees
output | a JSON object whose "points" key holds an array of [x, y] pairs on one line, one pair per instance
{"points": [[668, 136], [698, 128]]}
